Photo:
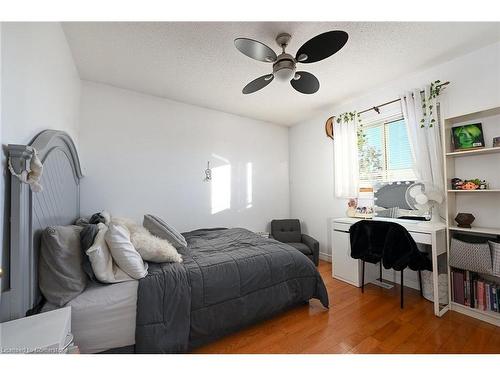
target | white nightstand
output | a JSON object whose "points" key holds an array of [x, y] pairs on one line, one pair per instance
{"points": [[48, 332]]}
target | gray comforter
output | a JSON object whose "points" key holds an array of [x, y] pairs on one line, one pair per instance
{"points": [[229, 278]]}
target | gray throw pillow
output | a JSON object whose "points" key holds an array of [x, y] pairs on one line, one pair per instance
{"points": [[157, 227], [87, 237], [61, 277]]}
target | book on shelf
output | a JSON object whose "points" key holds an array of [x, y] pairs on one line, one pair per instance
{"points": [[480, 294], [472, 290]]}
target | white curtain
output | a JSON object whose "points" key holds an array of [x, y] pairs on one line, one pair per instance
{"points": [[345, 151], [425, 136]]}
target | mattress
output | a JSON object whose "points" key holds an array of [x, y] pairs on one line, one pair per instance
{"points": [[104, 316]]}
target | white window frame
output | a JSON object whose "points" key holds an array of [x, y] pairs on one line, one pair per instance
{"points": [[387, 175]]}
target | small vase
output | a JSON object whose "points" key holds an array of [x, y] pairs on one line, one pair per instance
{"points": [[464, 220]]}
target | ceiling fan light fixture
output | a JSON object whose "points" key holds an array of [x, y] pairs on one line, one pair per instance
{"points": [[284, 74], [284, 68]]}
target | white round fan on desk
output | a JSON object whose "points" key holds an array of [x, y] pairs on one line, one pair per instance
{"points": [[426, 198]]}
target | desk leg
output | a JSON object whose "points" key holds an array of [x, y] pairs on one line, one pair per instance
{"points": [[435, 275], [438, 247]]}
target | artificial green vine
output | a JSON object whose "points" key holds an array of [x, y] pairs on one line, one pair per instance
{"points": [[347, 116], [435, 90]]}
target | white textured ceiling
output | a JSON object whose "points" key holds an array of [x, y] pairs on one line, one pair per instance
{"points": [[197, 63]]}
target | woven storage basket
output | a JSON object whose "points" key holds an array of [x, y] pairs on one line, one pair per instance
{"points": [[474, 257], [495, 257]]}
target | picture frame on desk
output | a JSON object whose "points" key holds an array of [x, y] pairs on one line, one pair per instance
{"points": [[361, 207]]}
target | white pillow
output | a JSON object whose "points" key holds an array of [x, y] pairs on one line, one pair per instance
{"points": [[105, 270], [123, 252], [151, 248]]}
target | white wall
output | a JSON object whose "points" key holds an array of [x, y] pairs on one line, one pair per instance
{"points": [[475, 85], [40, 90], [144, 154]]}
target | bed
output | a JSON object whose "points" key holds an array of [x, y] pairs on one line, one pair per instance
{"points": [[229, 278], [103, 316]]}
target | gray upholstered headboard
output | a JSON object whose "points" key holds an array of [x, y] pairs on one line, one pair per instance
{"points": [[30, 213]]}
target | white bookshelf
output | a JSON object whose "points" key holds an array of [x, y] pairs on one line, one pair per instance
{"points": [[479, 163], [474, 191], [479, 151], [479, 230], [487, 316]]}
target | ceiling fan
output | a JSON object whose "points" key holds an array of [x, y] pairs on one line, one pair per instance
{"points": [[284, 65]]}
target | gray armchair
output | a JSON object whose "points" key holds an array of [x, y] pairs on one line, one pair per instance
{"points": [[288, 231]]}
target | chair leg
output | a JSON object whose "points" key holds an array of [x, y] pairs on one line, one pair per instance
{"points": [[402, 303], [380, 272], [420, 283], [362, 276]]}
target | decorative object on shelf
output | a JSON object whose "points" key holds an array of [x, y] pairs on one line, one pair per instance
{"points": [[208, 173], [464, 220], [467, 137], [470, 185], [31, 175], [474, 184], [496, 142], [457, 183], [329, 127]]}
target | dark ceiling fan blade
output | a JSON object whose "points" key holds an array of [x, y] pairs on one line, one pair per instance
{"points": [[306, 83], [256, 50], [321, 46], [258, 83]]}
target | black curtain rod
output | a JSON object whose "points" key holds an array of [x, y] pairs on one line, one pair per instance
{"points": [[377, 108]]}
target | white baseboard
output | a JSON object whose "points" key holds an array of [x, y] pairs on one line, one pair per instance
{"points": [[326, 257], [389, 275]]}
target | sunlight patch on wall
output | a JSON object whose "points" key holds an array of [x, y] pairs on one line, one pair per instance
{"points": [[249, 176], [221, 188]]}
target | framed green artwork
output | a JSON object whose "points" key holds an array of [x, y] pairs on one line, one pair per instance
{"points": [[466, 137]]}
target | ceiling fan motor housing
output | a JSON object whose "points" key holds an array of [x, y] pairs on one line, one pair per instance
{"points": [[284, 67]]}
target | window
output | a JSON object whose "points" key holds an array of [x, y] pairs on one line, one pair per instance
{"points": [[384, 151]]}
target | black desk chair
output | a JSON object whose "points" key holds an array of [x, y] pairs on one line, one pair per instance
{"points": [[390, 244]]}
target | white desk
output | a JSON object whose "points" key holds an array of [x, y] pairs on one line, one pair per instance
{"points": [[348, 269]]}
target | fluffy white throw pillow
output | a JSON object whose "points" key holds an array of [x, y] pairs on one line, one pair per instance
{"points": [[123, 252], [150, 247], [105, 269]]}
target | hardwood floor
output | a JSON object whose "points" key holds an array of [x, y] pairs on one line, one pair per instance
{"points": [[363, 323]]}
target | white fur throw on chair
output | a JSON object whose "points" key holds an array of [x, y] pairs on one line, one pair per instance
{"points": [[151, 248]]}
